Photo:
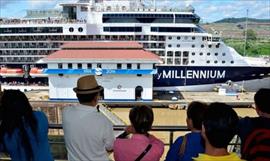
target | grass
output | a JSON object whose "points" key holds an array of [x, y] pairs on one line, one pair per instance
{"points": [[254, 47]]}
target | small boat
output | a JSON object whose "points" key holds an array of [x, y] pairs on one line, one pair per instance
{"points": [[11, 72], [37, 72]]}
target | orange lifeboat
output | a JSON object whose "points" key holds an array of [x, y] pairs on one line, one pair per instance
{"points": [[37, 72], [11, 72]]}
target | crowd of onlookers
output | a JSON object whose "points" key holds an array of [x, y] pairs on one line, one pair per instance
{"points": [[89, 134]]}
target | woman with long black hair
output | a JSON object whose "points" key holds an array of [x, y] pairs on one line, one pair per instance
{"points": [[23, 132]]}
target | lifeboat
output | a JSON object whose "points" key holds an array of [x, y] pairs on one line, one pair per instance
{"points": [[11, 72], [37, 72]]}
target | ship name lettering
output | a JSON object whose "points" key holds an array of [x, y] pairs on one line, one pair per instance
{"points": [[191, 74]]}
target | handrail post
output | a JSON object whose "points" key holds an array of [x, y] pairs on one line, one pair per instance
{"points": [[171, 138]]}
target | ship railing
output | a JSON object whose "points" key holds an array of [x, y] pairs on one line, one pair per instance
{"points": [[59, 152], [40, 21], [136, 9]]}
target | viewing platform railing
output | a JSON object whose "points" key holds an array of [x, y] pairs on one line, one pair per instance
{"points": [[170, 129], [58, 145]]}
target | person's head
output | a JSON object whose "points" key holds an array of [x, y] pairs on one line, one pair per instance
{"points": [[86, 98], [15, 105], [219, 125], [262, 101], [87, 90], [141, 119], [195, 114], [16, 114]]}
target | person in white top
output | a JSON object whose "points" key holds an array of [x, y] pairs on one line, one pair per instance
{"points": [[88, 133]]}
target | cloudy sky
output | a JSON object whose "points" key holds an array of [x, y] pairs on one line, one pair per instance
{"points": [[208, 10]]}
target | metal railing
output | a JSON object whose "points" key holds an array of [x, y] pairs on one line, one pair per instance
{"points": [[234, 146], [170, 129]]}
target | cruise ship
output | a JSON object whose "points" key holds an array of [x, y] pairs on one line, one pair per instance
{"points": [[193, 60]]}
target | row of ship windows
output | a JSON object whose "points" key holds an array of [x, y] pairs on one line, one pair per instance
{"points": [[149, 20], [204, 38], [71, 29], [30, 45], [149, 15], [153, 29], [98, 37], [193, 46], [99, 65], [79, 66], [185, 61], [15, 30], [178, 53], [208, 62], [19, 59], [81, 37]]}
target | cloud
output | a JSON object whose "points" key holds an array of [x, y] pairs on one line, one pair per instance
{"points": [[47, 4], [262, 12], [209, 10], [4, 3], [39, 3], [189, 2]]}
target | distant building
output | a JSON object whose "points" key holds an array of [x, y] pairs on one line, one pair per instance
{"points": [[124, 69]]}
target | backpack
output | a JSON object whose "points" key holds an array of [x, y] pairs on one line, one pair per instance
{"points": [[257, 145]]}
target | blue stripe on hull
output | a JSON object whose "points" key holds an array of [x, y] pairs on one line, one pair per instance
{"points": [[194, 75]]}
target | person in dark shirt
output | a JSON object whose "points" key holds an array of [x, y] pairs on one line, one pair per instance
{"points": [[191, 143], [249, 125]]}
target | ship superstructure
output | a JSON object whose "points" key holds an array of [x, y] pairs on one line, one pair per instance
{"points": [[190, 55]]}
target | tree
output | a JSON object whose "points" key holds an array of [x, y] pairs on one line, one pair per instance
{"points": [[251, 34]]}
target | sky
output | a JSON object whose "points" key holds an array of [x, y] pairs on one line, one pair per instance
{"points": [[208, 10]]}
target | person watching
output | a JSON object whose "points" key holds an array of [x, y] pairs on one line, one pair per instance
{"points": [[189, 146], [218, 128], [88, 133], [142, 145], [23, 132]]}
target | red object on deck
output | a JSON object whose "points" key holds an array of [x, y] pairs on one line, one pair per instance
{"points": [[36, 71], [11, 71]]}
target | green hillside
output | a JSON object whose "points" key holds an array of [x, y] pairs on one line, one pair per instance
{"points": [[232, 31], [243, 19]]}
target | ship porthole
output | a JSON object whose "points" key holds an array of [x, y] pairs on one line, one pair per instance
{"points": [[71, 29], [80, 29]]}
